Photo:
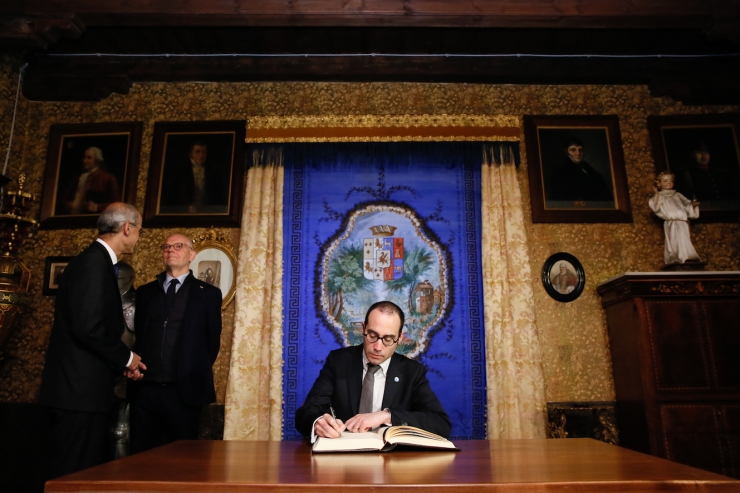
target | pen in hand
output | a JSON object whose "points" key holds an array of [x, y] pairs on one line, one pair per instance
{"points": [[334, 416]]}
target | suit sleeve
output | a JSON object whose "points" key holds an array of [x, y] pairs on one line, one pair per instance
{"points": [[425, 411], [318, 399], [91, 323]]}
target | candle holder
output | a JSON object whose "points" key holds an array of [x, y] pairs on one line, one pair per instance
{"points": [[16, 226]]}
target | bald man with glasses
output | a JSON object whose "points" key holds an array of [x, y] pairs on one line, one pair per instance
{"points": [[366, 386], [178, 326]]}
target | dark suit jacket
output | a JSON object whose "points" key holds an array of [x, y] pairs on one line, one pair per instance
{"points": [[85, 351], [199, 341], [178, 189], [407, 393]]}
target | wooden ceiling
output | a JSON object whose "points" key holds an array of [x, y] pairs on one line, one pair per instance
{"points": [[88, 49]]}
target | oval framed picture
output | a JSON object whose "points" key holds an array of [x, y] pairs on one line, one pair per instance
{"points": [[215, 264], [563, 277]]}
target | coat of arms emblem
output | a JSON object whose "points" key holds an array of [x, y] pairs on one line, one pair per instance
{"points": [[411, 268], [383, 254]]}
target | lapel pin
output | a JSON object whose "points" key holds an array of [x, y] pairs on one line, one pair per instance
{"points": [[396, 379]]}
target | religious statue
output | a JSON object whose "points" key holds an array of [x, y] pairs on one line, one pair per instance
{"points": [[675, 210]]}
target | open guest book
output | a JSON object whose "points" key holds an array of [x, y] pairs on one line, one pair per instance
{"points": [[383, 440]]}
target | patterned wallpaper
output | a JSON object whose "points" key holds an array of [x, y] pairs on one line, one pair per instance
{"points": [[573, 335]]}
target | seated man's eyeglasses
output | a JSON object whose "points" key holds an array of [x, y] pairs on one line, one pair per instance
{"points": [[374, 336], [176, 247]]}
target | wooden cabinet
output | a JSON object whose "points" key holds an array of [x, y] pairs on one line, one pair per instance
{"points": [[675, 346]]}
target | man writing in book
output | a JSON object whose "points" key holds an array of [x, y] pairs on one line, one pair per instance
{"points": [[363, 387]]}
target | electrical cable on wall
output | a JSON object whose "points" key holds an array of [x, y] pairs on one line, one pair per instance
{"points": [[12, 128], [15, 110], [391, 55]]}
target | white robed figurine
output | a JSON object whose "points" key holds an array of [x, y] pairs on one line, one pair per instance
{"points": [[676, 210]]}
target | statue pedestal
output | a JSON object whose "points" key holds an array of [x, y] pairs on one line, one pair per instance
{"points": [[686, 266]]}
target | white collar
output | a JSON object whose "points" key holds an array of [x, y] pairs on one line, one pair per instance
{"points": [[112, 254], [168, 278], [384, 365]]}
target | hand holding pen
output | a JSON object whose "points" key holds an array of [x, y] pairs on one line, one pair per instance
{"points": [[328, 426]]}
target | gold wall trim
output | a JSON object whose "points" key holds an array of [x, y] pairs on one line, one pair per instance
{"points": [[371, 128]]}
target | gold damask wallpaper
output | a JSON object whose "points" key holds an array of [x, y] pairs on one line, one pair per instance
{"points": [[573, 335]]}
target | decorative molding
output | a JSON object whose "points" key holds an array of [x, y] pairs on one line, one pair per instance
{"points": [[697, 288], [657, 284], [382, 128]]}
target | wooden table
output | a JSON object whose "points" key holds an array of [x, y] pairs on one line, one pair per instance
{"points": [[571, 465]]}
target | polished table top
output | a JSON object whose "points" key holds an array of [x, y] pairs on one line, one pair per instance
{"points": [[566, 465]]}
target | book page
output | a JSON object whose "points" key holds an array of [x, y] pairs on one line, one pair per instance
{"points": [[410, 435], [349, 441]]}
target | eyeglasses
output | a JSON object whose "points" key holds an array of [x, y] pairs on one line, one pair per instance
{"points": [[176, 247], [373, 337], [141, 230]]}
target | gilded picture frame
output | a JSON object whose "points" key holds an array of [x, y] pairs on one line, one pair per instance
{"points": [[703, 153], [196, 174], [88, 166], [576, 169], [215, 264]]}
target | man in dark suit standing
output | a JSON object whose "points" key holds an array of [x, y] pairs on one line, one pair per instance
{"points": [[370, 385], [178, 333], [85, 349]]}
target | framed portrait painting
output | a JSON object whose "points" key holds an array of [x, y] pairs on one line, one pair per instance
{"points": [[563, 277], [52, 273], [576, 169], [196, 174], [88, 166], [703, 154], [215, 264]]}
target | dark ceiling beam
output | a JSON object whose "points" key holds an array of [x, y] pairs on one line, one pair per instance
{"points": [[429, 13], [345, 28], [38, 32], [96, 77]]}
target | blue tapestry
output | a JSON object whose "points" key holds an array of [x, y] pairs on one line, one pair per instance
{"points": [[365, 222]]}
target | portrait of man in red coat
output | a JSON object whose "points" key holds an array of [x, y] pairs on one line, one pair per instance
{"points": [[93, 190]]}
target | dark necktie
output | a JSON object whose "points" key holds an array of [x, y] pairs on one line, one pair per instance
{"points": [[170, 297], [115, 270], [368, 385]]}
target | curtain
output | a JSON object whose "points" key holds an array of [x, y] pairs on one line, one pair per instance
{"points": [[515, 381], [254, 389], [426, 196]]}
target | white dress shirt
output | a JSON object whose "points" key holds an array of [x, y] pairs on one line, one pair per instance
{"points": [[378, 389]]}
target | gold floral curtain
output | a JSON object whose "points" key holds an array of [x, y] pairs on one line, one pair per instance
{"points": [[515, 380], [254, 389]]}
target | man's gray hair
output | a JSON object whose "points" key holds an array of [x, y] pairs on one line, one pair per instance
{"points": [[97, 154], [114, 216]]}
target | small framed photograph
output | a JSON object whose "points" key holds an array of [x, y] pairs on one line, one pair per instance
{"points": [[215, 264], [576, 169], [563, 277], [196, 174], [703, 153], [88, 166], [53, 272]]}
